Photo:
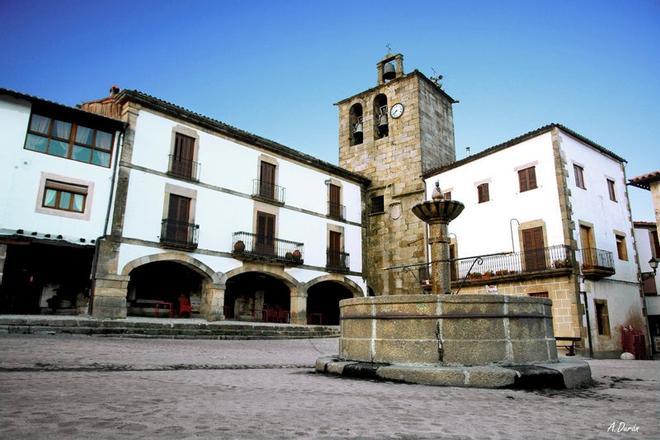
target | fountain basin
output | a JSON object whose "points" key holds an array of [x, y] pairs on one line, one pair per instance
{"points": [[450, 330], [442, 211]]}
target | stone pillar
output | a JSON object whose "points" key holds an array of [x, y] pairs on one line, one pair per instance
{"points": [[213, 302], [298, 309], [3, 257], [439, 241], [109, 299]]}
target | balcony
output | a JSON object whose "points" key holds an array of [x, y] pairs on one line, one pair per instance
{"points": [[252, 247], [337, 261], [268, 192], [179, 235], [336, 211], [535, 263], [596, 263], [183, 168]]}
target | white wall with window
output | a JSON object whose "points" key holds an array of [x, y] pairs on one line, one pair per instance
{"points": [[224, 202], [490, 226], [55, 169]]}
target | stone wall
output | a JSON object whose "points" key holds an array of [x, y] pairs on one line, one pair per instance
{"points": [[422, 138], [566, 312]]}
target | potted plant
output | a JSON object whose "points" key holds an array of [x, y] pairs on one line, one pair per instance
{"points": [[297, 255], [501, 272], [475, 276], [239, 246]]}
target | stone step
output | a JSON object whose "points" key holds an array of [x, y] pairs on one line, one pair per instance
{"points": [[165, 329]]}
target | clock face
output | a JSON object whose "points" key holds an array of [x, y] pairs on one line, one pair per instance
{"points": [[397, 110]]}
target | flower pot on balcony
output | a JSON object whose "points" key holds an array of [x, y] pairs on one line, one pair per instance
{"points": [[239, 246], [296, 254]]}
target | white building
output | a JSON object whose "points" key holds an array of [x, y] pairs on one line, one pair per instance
{"points": [[553, 205], [56, 175], [244, 227]]}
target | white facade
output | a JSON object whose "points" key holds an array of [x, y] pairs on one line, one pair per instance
{"points": [[224, 203], [495, 225], [22, 178]]}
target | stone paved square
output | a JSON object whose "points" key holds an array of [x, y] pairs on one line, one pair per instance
{"points": [[65, 387]]}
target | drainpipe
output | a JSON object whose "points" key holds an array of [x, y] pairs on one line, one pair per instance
{"points": [[586, 312], [513, 247], [120, 144]]}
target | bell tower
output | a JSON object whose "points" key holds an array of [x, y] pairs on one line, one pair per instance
{"points": [[391, 134]]}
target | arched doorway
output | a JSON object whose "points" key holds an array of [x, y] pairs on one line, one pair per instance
{"points": [[164, 289], [323, 302], [257, 296]]}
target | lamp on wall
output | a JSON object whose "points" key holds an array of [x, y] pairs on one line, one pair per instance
{"points": [[653, 262]]}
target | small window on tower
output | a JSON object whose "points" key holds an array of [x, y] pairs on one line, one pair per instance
{"points": [[377, 205], [579, 176], [610, 188]]}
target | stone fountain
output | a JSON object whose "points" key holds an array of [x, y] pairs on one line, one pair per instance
{"points": [[462, 340]]}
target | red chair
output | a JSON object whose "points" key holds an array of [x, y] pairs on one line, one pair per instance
{"points": [[184, 306]]}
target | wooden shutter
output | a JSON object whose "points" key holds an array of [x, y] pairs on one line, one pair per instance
{"points": [[527, 179], [482, 192], [267, 185], [534, 252], [265, 242], [334, 245], [334, 206], [178, 217], [588, 251], [184, 149]]}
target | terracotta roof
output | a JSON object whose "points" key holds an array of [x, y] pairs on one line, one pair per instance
{"points": [[644, 181], [236, 133], [523, 138], [74, 112]]}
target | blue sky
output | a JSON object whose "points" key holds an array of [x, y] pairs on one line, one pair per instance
{"points": [[276, 67]]}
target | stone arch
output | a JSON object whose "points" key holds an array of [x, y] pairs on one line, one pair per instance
{"points": [[351, 285], [178, 257], [274, 271]]}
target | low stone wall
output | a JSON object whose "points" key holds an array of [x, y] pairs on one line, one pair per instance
{"points": [[446, 329]]}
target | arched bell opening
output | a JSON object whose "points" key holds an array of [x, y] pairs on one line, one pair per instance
{"points": [[257, 296], [356, 123], [381, 123]]}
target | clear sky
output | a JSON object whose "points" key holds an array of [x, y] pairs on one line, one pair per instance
{"points": [[276, 67]]}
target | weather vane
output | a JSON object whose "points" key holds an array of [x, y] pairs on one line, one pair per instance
{"points": [[389, 48]]}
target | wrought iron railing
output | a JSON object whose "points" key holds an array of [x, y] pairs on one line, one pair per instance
{"points": [[336, 211], [593, 258], [179, 234], [269, 191], [534, 260], [183, 168], [252, 246], [337, 261]]}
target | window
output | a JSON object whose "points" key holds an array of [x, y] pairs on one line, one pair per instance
{"points": [[377, 205], [482, 193], [656, 245], [610, 187], [335, 208], [539, 294], [447, 195], [602, 317], [533, 245], [69, 140], [621, 249], [64, 196], [579, 176], [182, 162], [527, 179]]}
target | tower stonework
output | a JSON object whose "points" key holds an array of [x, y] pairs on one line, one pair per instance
{"points": [[415, 135]]}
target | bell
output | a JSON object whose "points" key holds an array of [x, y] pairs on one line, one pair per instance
{"points": [[382, 120], [357, 128], [389, 72]]}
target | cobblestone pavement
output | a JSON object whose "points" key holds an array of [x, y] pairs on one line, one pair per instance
{"points": [[57, 387]]}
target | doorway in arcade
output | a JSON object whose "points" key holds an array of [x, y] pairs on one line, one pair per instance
{"points": [[46, 278], [256, 296]]}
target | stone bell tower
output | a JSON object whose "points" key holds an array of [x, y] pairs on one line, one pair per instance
{"points": [[391, 134]]}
